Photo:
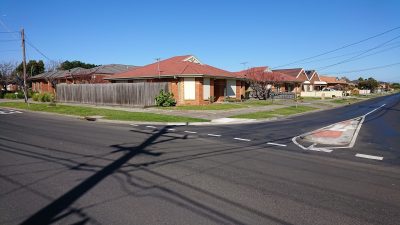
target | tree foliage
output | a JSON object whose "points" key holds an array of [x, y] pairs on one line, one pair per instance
{"points": [[33, 68], [261, 82], [6, 71], [370, 84], [67, 65], [395, 86]]}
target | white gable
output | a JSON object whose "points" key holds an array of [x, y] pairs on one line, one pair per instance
{"points": [[192, 59]]}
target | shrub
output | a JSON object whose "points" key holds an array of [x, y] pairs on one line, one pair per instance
{"points": [[46, 97], [12, 95], [35, 97], [165, 99], [43, 97], [211, 99]]}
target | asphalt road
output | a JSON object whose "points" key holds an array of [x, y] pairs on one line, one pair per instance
{"points": [[61, 170]]}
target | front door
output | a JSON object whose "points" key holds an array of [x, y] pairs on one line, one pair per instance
{"points": [[219, 90]]}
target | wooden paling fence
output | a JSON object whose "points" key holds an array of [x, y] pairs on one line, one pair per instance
{"points": [[131, 94]]}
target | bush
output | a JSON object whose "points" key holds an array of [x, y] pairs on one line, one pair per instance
{"points": [[43, 97], [211, 99], [35, 97], [165, 99], [12, 95]]}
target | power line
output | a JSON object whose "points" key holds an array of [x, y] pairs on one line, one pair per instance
{"points": [[356, 57], [8, 32], [34, 47], [337, 49], [371, 68], [395, 44], [29, 43]]}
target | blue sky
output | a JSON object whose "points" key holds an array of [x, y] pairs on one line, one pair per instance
{"points": [[220, 33]]}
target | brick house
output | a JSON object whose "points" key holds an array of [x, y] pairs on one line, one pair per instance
{"points": [[190, 81], [299, 74], [316, 84], [278, 82], [43, 82], [334, 82]]}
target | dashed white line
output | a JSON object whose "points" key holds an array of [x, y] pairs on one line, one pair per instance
{"points": [[214, 135], [369, 156], [170, 129], [151, 127], [135, 125], [271, 143], [190, 132], [242, 139]]}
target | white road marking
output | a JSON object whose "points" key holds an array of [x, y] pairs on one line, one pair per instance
{"points": [[151, 127], [352, 142], [271, 143], [135, 125], [214, 135], [9, 112], [366, 114], [242, 139], [190, 132], [369, 156], [170, 129]]}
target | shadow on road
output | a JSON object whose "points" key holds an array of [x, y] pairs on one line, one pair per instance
{"points": [[47, 215]]}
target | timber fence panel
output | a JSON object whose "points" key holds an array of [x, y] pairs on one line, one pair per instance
{"points": [[130, 94]]}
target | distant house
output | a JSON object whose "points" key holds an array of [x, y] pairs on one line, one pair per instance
{"points": [[191, 81], [278, 82], [334, 82], [316, 83], [301, 75], [45, 82]]}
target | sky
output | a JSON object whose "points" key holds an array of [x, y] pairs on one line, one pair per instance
{"points": [[230, 35]]}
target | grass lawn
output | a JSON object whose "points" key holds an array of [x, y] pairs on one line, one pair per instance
{"points": [[345, 100], [223, 106], [106, 113], [277, 112], [310, 98], [215, 106]]}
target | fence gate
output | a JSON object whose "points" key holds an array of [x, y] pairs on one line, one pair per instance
{"points": [[131, 94]]}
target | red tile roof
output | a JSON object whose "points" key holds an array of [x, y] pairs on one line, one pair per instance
{"points": [[175, 66], [262, 74], [291, 72], [332, 80]]}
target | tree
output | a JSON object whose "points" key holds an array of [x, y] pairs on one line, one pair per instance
{"points": [[261, 81], [53, 65], [395, 86], [370, 84], [67, 65], [6, 71], [33, 68], [345, 79]]}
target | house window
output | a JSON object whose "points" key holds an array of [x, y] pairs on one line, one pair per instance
{"points": [[206, 88], [189, 88], [231, 88]]}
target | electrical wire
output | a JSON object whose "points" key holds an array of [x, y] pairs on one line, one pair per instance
{"points": [[337, 49], [361, 70], [355, 57]]}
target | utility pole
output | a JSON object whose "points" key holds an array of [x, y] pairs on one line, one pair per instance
{"points": [[24, 64]]}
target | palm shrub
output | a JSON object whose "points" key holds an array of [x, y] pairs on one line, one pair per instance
{"points": [[165, 99]]}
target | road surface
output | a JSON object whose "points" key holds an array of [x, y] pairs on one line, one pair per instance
{"points": [[61, 170]]}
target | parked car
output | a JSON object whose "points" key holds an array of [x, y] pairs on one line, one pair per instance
{"points": [[328, 89]]}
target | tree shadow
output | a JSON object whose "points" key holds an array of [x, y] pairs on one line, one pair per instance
{"points": [[47, 215]]}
